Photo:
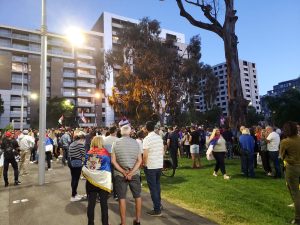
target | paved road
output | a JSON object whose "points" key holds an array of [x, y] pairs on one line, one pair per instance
{"points": [[31, 204]]}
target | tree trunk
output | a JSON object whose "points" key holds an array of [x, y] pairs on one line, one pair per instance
{"points": [[237, 105]]}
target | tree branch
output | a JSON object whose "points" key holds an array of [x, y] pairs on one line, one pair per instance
{"points": [[211, 27]]}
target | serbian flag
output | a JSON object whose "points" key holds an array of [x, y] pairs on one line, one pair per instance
{"points": [[82, 117], [60, 120], [97, 168]]}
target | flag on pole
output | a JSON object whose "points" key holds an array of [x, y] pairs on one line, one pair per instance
{"points": [[61, 119], [82, 117]]}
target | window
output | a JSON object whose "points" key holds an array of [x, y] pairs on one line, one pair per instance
{"points": [[103, 109], [103, 100], [248, 96], [255, 86], [218, 104], [256, 97], [257, 107], [223, 93], [247, 85], [215, 68], [253, 65], [222, 98], [247, 79], [224, 103], [245, 63], [216, 73], [220, 67], [221, 71], [222, 82], [247, 90], [246, 74], [245, 69], [254, 76], [222, 87]]}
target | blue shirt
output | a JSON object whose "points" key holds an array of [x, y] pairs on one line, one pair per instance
{"points": [[247, 143]]}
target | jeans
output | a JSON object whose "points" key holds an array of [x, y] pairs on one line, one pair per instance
{"points": [[273, 156], [32, 154], [14, 164], [220, 161], [92, 196], [153, 181], [292, 176], [75, 176], [248, 163], [65, 154]]}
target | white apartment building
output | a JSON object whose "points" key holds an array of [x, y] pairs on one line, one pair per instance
{"points": [[248, 73]]}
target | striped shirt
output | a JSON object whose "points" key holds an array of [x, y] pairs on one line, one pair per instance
{"points": [[154, 144], [126, 151], [76, 150]]}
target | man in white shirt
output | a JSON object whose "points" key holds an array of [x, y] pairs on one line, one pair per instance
{"points": [[153, 158], [26, 142], [273, 140]]}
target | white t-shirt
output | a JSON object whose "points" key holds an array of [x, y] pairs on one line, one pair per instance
{"points": [[274, 142], [154, 144]]}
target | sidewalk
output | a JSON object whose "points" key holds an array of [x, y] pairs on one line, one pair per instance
{"points": [[31, 204]]}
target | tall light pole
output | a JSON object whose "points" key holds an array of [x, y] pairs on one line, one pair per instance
{"points": [[43, 96]]}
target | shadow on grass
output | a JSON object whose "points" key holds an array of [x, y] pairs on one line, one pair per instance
{"points": [[168, 181]]}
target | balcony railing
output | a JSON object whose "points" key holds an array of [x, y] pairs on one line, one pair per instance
{"points": [[85, 65], [17, 103], [18, 80], [19, 59], [69, 84], [17, 113], [21, 36], [85, 104], [69, 94], [86, 75], [85, 84], [70, 75], [69, 65], [84, 94], [84, 56]]}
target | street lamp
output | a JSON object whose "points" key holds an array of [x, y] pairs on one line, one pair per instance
{"points": [[43, 96], [34, 96]]}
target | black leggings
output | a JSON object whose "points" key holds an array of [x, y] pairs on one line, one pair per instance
{"points": [[14, 164], [75, 176], [92, 196], [220, 161]]}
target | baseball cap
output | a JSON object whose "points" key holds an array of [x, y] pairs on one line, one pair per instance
{"points": [[8, 134]]}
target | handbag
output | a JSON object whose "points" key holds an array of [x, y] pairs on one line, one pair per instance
{"points": [[209, 153], [76, 163]]}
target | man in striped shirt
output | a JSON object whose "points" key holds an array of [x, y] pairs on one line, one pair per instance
{"points": [[153, 158], [126, 158]]}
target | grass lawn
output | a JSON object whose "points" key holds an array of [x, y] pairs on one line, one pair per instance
{"points": [[262, 200]]}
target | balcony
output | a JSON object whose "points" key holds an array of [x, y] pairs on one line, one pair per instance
{"points": [[87, 115], [17, 125], [84, 94], [19, 80], [85, 65], [84, 56], [86, 75], [85, 84], [19, 59], [68, 84], [20, 37], [87, 47], [69, 94], [17, 113], [60, 53], [69, 65], [85, 104], [17, 91], [57, 43], [17, 103], [69, 75], [5, 34]]}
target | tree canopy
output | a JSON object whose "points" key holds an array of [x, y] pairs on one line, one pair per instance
{"points": [[152, 73], [285, 107]]}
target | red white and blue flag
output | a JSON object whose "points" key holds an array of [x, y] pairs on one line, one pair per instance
{"points": [[83, 118]]}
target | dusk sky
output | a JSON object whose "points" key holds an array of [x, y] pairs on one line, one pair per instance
{"points": [[268, 30]]}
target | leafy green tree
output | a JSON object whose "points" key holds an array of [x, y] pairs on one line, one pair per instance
{"points": [[223, 25], [148, 69], [285, 107], [56, 107], [252, 117]]}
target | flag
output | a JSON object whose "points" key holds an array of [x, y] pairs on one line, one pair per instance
{"points": [[61, 119], [82, 117]]}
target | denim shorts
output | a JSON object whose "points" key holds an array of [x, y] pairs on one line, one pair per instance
{"points": [[134, 184], [194, 149]]}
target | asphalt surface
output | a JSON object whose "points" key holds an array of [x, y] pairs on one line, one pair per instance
{"points": [[31, 204]]}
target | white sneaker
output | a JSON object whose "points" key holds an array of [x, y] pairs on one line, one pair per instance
{"points": [[50, 169], [215, 174], [291, 205], [226, 177], [269, 174], [76, 198]]}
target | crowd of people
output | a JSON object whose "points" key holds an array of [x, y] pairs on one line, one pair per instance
{"points": [[110, 159]]}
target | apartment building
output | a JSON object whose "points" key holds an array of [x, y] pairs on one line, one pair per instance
{"points": [[248, 73], [110, 24], [72, 73], [76, 74]]}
